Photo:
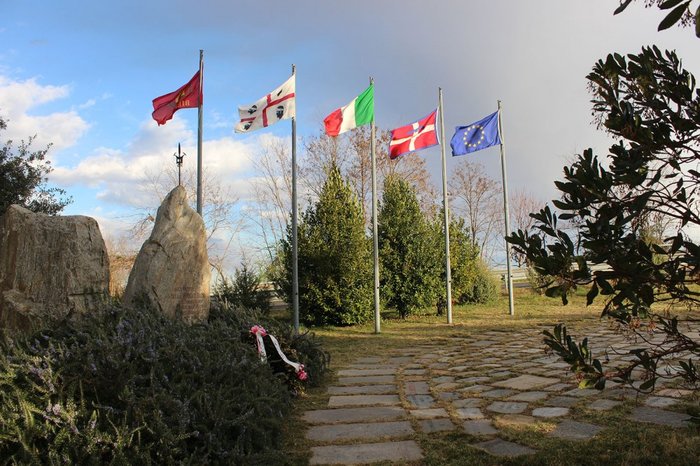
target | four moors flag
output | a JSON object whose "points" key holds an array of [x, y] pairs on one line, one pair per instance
{"points": [[275, 106], [415, 136], [188, 96], [357, 113]]}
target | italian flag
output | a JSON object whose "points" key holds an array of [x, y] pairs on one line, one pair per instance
{"points": [[357, 113]]}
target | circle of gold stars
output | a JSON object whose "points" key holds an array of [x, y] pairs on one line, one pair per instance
{"points": [[478, 128]]}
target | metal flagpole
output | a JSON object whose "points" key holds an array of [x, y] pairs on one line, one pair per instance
{"points": [[295, 252], [509, 282], [200, 202], [448, 272], [377, 315]]}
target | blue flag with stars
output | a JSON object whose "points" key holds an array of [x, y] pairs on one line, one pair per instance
{"points": [[477, 136]]}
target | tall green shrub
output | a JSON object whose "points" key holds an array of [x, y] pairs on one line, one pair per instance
{"points": [[410, 274], [335, 267]]}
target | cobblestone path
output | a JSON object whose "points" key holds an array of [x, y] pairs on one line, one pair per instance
{"points": [[480, 384]]}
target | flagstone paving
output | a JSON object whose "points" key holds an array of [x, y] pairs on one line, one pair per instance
{"points": [[380, 406]]}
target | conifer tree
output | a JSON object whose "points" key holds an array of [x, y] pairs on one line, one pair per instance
{"points": [[410, 275], [335, 265]]}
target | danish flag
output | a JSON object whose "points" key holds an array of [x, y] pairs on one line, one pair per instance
{"points": [[415, 136], [275, 106]]}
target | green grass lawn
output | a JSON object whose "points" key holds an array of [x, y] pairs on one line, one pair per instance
{"points": [[625, 444]]}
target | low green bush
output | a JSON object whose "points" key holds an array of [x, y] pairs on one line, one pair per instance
{"points": [[243, 290], [483, 287], [125, 386]]}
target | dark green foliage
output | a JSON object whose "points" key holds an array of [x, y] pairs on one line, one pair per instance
{"points": [[23, 179], [335, 266], [243, 290], [408, 251], [680, 12], [132, 387], [650, 104]]}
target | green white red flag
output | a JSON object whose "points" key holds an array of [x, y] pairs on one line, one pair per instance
{"points": [[188, 96], [357, 113]]}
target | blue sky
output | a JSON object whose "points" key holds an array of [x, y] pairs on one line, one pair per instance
{"points": [[83, 74]]}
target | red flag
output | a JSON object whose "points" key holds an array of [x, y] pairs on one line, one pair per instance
{"points": [[188, 96], [415, 136]]}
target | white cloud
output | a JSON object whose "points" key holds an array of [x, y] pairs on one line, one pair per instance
{"points": [[124, 177], [18, 100]]}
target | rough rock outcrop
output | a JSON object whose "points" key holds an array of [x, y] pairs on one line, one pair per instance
{"points": [[49, 266], [171, 272]]}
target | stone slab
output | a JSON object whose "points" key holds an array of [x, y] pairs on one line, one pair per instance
{"points": [[603, 404], [582, 392], [526, 382], [468, 403], [448, 396], [436, 425], [416, 388], [366, 372], [475, 389], [420, 401], [562, 401], [404, 451], [350, 415], [359, 431], [430, 413], [400, 359], [516, 420], [470, 413], [528, 396], [557, 387], [574, 430], [498, 447], [507, 407], [362, 390], [660, 417], [443, 379], [479, 427], [368, 360], [675, 392], [338, 401], [498, 393], [447, 386], [550, 412], [374, 379], [414, 371], [660, 401], [473, 380]]}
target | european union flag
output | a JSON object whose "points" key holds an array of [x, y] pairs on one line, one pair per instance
{"points": [[477, 136]]}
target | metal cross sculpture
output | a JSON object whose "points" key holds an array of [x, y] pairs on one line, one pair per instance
{"points": [[178, 160]]}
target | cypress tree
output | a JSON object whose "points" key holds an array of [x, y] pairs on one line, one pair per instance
{"points": [[335, 266], [410, 275]]}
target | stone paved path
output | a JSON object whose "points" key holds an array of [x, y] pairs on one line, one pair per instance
{"points": [[380, 405]]}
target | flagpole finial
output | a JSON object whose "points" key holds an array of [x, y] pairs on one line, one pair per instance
{"points": [[294, 68]]}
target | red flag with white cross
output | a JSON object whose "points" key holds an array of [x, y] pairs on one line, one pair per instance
{"points": [[413, 137]]}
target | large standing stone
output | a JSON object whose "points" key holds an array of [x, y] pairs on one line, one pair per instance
{"points": [[171, 272], [49, 266]]}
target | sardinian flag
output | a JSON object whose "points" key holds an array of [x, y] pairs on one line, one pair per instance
{"points": [[415, 136], [275, 106]]}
